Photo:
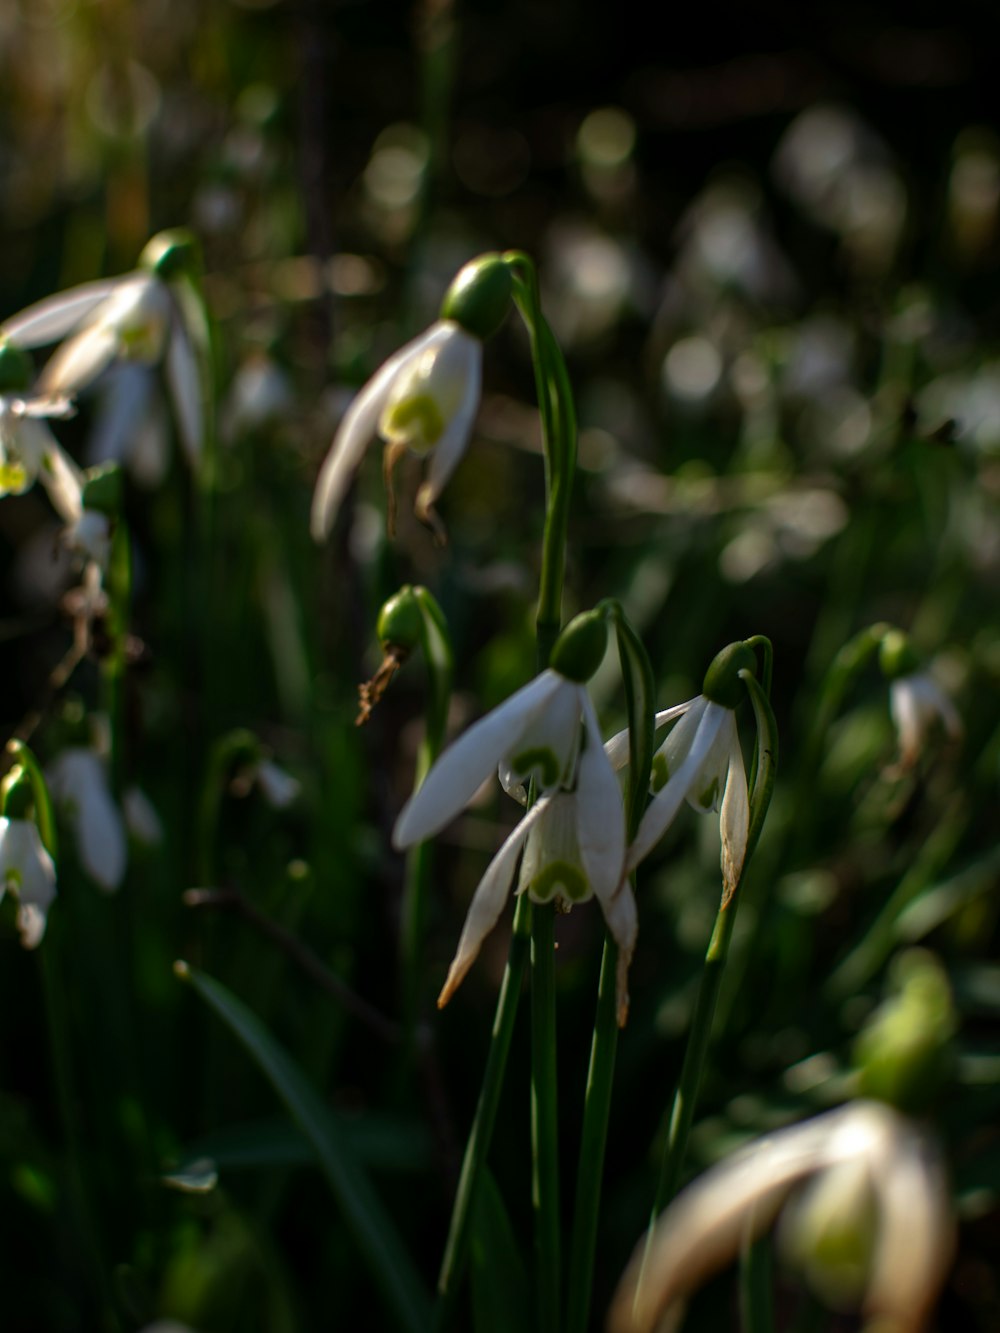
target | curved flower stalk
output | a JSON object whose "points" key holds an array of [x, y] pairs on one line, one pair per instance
{"points": [[148, 318], [79, 785], [865, 1214], [573, 837], [425, 398]]}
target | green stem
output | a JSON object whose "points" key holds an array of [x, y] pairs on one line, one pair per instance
{"points": [[481, 1133], [544, 1119], [756, 1310], [590, 1172], [119, 588], [637, 674]]}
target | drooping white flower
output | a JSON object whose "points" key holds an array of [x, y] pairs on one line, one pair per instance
{"points": [[866, 1215], [916, 704], [26, 869], [277, 786], [701, 762], [29, 452], [573, 837], [78, 783], [146, 318], [425, 399]]}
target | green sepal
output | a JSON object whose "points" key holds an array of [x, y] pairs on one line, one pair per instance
{"points": [[172, 253], [480, 296], [896, 655], [400, 621], [15, 367], [722, 683], [17, 795], [905, 1053], [580, 648]]}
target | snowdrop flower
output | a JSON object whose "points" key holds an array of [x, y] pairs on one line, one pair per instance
{"points": [[871, 1224], [79, 784], [424, 398], [26, 869], [916, 701], [573, 837], [701, 762], [147, 317], [277, 786], [29, 452]]}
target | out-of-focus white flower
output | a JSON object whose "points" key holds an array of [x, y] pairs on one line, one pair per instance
{"points": [[279, 788], [917, 703], [872, 1225], [27, 871], [29, 452], [425, 399], [141, 818], [260, 395], [147, 318], [78, 783], [573, 837]]}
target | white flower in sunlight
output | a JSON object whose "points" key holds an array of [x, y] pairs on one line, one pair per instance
{"points": [[424, 399], [917, 703], [140, 318], [701, 762], [78, 783], [26, 869], [29, 452], [871, 1224], [573, 837]]}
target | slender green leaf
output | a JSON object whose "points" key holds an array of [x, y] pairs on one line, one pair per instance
{"points": [[397, 1278]]}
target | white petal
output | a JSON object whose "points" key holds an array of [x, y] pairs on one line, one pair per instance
{"points": [[734, 818], [706, 719], [63, 482], [488, 902], [915, 1240], [124, 401], [280, 789], [617, 747], [622, 918], [470, 760], [77, 781], [600, 812], [141, 819], [52, 319], [358, 429], [76, 364], [186, 391], [448, 451], [702, 1229]]}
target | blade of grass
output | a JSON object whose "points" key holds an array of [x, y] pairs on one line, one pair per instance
{"points": [[365, 1215]]}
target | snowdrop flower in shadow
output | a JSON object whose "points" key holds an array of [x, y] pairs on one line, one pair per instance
{"points": [[865, 1214], [29, 452], [701, 762], [79, 785], [424, 398], [149, 317], [916, 702], [26, 870], [573, 837]]}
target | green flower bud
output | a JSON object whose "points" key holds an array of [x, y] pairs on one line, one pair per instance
{"points": [[17, 796], [171, 253], [896, 656], [722, 684], [905, 1052], [102, 489], [15, 367], [479, 297], [400, 621], [580, 648]]}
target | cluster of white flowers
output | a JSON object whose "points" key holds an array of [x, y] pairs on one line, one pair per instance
{"points": [[573, 838]]}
